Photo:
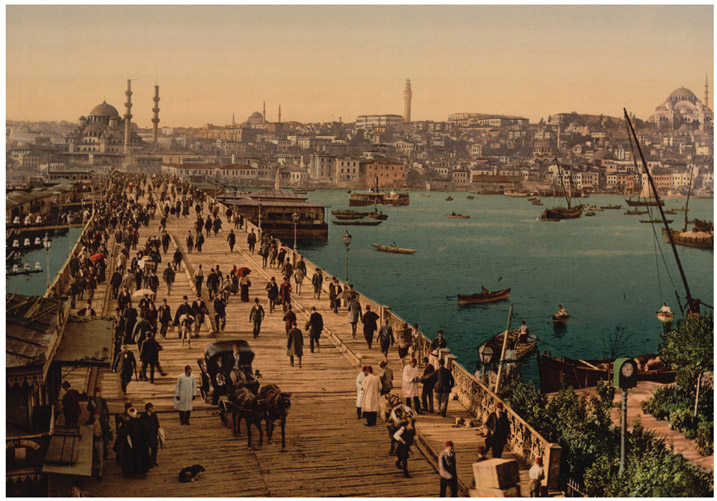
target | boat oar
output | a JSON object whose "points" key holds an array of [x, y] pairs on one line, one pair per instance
{"points": [[581, 321]]}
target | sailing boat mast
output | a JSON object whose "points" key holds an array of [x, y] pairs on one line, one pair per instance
{"points": [[562, 186], [693, 305], [687, 202]]}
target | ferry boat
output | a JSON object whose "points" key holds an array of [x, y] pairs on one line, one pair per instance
{"points": [[364, 198]]}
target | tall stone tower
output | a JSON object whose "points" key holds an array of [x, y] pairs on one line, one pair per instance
{"points": [[279, 113], [407, 94], [263, 115], [155, 119], [128, 117], [707, 92]]}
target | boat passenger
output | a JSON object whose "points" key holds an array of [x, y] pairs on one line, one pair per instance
{"points": [[523, 333], [483, 290], [665, 309], [562, 312]]}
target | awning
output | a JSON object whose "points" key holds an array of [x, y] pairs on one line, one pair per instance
{"points": [[86, 343], [70, 454]]}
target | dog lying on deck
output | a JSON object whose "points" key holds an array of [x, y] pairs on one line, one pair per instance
{"points": [[190, 473]]}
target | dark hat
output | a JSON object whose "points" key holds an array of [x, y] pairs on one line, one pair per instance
{"points": [[187, 367], [148, 405], [449, 444], [368, 307], [499, 405]]}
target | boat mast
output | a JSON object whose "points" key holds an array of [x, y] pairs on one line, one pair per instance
{"points": [[692, 304], [562, 186], [687, 202]]}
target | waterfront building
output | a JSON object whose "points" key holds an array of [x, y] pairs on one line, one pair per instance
{"points": [[486, 120], [378, 121], [384, 172], [347, 171], [322, 167], [683, 107]]}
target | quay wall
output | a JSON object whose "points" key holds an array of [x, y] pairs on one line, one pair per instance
{"points": [[524, 440]]}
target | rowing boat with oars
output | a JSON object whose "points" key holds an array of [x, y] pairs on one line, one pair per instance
{"points": [[453, 215], [470, 197], [655, 221], [488, 297], [393, 248], [449, 199], [611, 207], [635, 212], [357, 222], [519, 348]]}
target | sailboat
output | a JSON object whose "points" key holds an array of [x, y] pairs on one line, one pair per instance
{"points": [[559, 213], [702, 234], [644, 199]]}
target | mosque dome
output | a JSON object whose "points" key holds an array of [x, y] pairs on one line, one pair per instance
{"points": [[682, 94], [104, 110], [95, 127], [256, 114]]}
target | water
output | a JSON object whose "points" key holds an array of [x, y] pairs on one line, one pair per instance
{"points": [[603, 269], [35, 284]]}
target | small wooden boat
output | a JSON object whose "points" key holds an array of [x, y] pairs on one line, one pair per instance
{"points": [[643, 202], [560, 319], [378, 215], [488, 297], [423, 195], [537, 202], [556, 372], [590, 213], [347, 213], [520, 349], [611, 207], [656, 221], [699, 239], [357, 222], [470, 197], [453, 215], [348, 216], [515, 194], [560, 213], [665, 317], [635, 212], [531, 199], [393, 248], [670, 212], [449, 199]]}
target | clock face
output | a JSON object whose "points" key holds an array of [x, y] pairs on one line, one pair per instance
{"points": [[627, 369]]}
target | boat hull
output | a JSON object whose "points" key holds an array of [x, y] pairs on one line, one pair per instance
{"points": [[521, 350], [356, 222], [643, 203], [491, 297], [395, 250], [559, 213], [706, 242]]}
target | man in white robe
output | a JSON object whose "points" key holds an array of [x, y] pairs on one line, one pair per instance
{"points": [[184, 394], [410, 378], [371, 393]]}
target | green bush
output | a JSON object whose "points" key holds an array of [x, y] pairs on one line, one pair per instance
{"points": [[705, 437], [683, 420]]}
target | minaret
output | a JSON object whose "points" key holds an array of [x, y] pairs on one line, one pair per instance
{"points": [[707, 92], [263, 115], [233, 122], [279, 113], [128, 117], [407, 94], [155, 119]]}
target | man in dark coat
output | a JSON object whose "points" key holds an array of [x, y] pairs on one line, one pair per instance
{"points": [[177, 258], [99, 404], [149, 355], [184, 309], [370, 324], [127, 366], [498, 430], [220, 313], [141, 331], [272, 293], [115, 282], [232, 240], [152, 424], [256, 315], [429, 381], [130, 319], [199, 309], [385, 337], [70, 405], [315, 325], [121, 418], [169, 276], [164, 315], [294, 344], [135, 450], [124, 299], [444, 385]]}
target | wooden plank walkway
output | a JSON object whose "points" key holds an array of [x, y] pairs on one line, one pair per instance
{"points": [[329, 451]]}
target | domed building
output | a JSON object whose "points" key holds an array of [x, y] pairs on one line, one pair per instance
{"points": [[682, 107], [255, 120], [101, 131]]}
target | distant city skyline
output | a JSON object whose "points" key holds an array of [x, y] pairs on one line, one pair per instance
{"points": [[322, 63]]}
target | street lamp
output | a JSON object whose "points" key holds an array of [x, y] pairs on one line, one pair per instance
{"points": [[486, 356], [295, 218], [347, 241]]}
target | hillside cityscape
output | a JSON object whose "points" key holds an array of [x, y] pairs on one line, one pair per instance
{"points": [[480, 152]]}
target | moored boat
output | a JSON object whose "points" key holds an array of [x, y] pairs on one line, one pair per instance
{"points": [[560, 213], [393, 248], [453, 215], [635, 212], [357, 222], [556, 372], [520, 348], [449, 199], [590, 213], [646, 202], [665, 317], [699, 239], [470, 197], [487, 297], [611, 207], [348, 216], [655, 221], [378, 215], [347, 213]]}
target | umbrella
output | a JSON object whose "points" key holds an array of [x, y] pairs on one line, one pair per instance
{"points": [[96, 257], [142, 292], [244, 271]]}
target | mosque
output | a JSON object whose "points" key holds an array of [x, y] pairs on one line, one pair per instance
{"points": [[682, 107]]}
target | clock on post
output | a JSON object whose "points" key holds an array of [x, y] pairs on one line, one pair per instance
{"points": [[624, 373]]}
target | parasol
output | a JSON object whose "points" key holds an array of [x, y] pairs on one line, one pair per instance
{"points": [[96, 257], [243, 271], [142, 292]]}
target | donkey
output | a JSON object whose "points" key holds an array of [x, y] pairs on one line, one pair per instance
{"points": [[246, 405], [276, 405]]}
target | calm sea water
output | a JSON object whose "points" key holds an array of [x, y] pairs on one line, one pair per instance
{"points": [[35, 284], [608, 271]]}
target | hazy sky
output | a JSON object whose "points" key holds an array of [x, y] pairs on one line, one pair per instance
{"points": [[325, 62]]}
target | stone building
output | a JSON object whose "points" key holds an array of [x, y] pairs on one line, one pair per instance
{"points": [[683, 107]]}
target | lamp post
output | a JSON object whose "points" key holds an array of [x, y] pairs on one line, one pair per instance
{"points": [[47, 243], [347, 241], [295, 218], [486, 356]]}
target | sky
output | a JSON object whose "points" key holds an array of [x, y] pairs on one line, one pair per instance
{"points": [[324, 63]]}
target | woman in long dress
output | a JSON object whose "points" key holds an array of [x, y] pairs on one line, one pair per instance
{"points": [[244, 285]]}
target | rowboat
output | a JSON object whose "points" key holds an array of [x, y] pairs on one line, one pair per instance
{"points": [[520, 349], [489, 297], [537, 202], [449, 199], [635, 212], [560, 213], [699, 239], [590, 213], [348, 216], [656, 221], [378, 215], [556, 372], [560, 319], [470, 197], [611, 206], [357, 222], [393, 248], [665, 317], [670, 212], [645, 202], [453, 215]]}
